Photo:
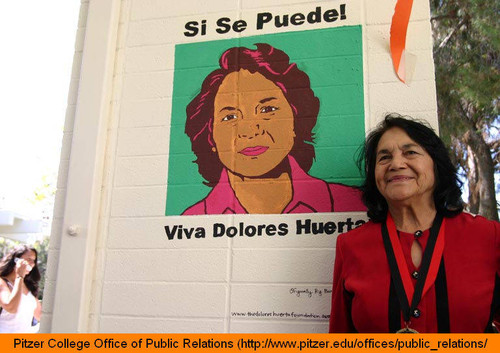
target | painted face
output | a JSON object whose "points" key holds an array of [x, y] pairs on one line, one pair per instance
{"points": [[253, 127], [404, 171]]}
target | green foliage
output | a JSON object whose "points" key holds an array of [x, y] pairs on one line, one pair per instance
{"points": [[467, 63], [466, 54], [46, 190], [6, 245]]}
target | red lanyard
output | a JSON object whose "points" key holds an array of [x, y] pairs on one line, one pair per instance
{"points": [[433, 253]]}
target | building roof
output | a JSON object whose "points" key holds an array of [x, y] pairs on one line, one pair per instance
{"points": [[15, 226]]}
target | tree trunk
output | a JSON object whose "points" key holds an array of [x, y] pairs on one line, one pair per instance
{"points": [[485, 173], [473, 181]]}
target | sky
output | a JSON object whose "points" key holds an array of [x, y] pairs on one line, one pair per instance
{"points": [[37, 40]]}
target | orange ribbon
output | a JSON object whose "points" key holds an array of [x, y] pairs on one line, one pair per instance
{"points": [[399, 27]]}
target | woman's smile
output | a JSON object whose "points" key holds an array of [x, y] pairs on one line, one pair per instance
{"points": [[399, 178], [404, 171]]}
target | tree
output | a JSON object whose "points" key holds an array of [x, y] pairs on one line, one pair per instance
{"points": [[467, 61], [6, 245]]}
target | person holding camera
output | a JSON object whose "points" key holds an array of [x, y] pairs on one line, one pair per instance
{"points": [[20, 276]]}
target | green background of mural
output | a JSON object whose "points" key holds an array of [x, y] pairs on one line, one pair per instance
{"points": [[333, 59]]}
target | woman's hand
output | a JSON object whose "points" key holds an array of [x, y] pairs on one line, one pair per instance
{"points": [[22, 268]]}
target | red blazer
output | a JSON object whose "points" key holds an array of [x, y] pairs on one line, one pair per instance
{"points": [[361, 298]]}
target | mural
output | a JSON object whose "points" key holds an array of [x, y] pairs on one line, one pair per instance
{"points": [[255, 124]]}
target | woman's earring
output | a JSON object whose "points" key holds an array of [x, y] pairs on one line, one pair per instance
{"points": [[214, 149]]}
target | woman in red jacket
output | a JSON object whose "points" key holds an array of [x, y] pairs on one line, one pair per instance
{"points": [[420, 264]]}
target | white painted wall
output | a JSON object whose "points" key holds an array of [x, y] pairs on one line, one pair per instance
{"points": [[120, 273]]}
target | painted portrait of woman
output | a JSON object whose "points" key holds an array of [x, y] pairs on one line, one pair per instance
{"points": [[250, 128]]}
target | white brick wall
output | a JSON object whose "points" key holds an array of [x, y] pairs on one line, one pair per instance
{"points": [[143, 282], [385, 93], [157, 299], [159, 325], [150, 9]]}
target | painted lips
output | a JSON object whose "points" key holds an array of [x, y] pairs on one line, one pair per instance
{"points": [[254, 151]]}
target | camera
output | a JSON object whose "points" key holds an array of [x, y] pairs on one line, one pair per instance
{"points": [[28, 267]]}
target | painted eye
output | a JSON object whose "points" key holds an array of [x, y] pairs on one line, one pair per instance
{"points": [[268, 109], [229, 117]]}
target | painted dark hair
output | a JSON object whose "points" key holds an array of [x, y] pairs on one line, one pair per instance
{"points": [[8, 264], [447, 194], [274, 65]]}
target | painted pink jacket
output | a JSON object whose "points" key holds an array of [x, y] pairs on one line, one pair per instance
{"points": [[309, 195]]}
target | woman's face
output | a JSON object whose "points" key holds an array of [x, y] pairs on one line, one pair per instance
{"points": [[30, 257], [253, 126], [404, 171]]}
